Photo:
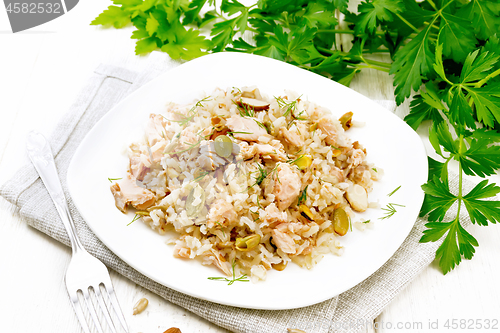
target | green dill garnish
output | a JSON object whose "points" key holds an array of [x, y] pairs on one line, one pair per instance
{"points": [[390, 210], [190, 146], [394, 191], [200, 177], [190, 115], [374, 169], [289, 107], [274, 172], [262, 174], [294, 119], [239, 132], [258, 203], [303, 196], [350, 223], [242, 278], [335, 147], [260, 124], [113, 179], [136, 217], [367, 221], [235, 89], [244, 110], [295, 160], [223, 233]]}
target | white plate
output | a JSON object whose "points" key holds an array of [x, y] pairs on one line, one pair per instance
{"points": [[391, 144]]}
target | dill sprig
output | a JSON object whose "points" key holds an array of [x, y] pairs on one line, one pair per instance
{"points": [[242, 278], [190, 146], [191, 113], [303, 195], [200, 177], [367, 221], [244, 110], [236, 132], [113, 179], [136, 217], [262, 174], [258, 203], [390, 210], [274, 172], [260, 124], [289, 107], [223, 233], [394, 191]]}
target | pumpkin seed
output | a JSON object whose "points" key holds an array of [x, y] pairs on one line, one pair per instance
{"points": [[340, 221], [248, 243], [223, 146]]}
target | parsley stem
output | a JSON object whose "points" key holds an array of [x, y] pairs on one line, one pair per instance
{"points": [[382, 69], [459, 181], [370, 62], [491, 75], [433, 5], [407, 23], [337, 31]]}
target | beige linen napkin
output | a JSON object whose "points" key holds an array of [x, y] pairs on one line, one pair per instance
{"points": [[351, 311]]}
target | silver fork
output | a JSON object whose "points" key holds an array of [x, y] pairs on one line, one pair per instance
{"points": [[85, 273]]}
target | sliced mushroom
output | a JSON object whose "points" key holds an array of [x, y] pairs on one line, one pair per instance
{"points": [[357, 197], [255, 104]]}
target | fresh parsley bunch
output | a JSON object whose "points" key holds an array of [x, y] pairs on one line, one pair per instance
{"points": [[444, 52]]}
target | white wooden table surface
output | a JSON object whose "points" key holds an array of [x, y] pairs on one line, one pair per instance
{"points": [[41, 71]]}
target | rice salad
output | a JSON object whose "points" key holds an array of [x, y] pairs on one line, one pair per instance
{"points": [[248, 182]]}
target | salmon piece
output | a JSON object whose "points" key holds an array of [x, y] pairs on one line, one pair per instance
{"points": [[222, 212], [139, 166], [247, 125], [273, 215], [292, 137], [156, 128], [157, 151], [283, 241], [357, 157], [337, 173], [264, 151], [286, 186], [126, 192], [182, 252], [331, 128], [218, 261], [188, 137]]}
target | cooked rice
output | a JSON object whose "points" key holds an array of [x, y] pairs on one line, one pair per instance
{"points": [[236, 203]]}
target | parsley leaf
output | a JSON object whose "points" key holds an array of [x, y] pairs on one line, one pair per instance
{"points": [[482, 211], [438, 199], [146, 45], [372, 12], [450, 253], [457, 36], [114, 16], [411, 64], [188, 44], [425, 106], [483, 15]]}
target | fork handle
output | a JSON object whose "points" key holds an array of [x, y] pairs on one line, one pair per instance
{"points": [[43, 160]]}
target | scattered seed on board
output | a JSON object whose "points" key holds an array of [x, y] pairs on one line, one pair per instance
{"points": [[173, 330], [140, 306], [294, 330]]}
